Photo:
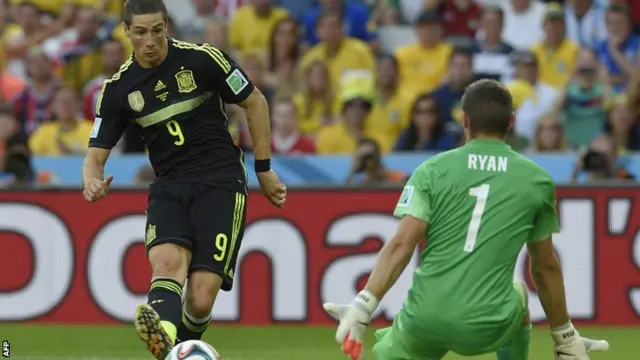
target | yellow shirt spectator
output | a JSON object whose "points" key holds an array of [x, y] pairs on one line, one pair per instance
{"points": [[249, 31], [391, 117], [556, 66], [112, 7], [353, 55], [423, 69], [50, 140], [336, 139], [312, 115], [48, 6]]}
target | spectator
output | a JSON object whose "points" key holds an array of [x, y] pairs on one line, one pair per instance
{"points": [[461, 18], [216, 34], [285, 135], [367, 167], [620, 52], [584, 100], [10, 86], [549, 136], [253, 24], [585, 23], [426, 131], [112, 55], [9, 129], [532, 98], [622, 128], [423, 65], [409, 10], [315, 104], [343, 55], [343, 136], [16, 169], [354, 16], [600, 162], [196, 29], [67, 134], [449, 95], [522, 19], [253, 64], [284, 54], [390, 113], [556, 54], [80, 55], [31, 105], [19, 38], [491, 53]]}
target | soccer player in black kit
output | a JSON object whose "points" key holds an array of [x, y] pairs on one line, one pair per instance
{"points": [[174, 92]]}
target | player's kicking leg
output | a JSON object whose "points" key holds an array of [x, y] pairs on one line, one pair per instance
{"points": [[218, 220], [157, 321], [168, 245]]}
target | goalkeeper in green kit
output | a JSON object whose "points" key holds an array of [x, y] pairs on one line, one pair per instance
{"points": [[477, 205]]}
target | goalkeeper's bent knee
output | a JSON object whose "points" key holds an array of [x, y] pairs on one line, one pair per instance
{"points": [[518, 347]]}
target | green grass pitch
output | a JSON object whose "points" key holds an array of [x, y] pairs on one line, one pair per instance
{"points": [[39, 342]]}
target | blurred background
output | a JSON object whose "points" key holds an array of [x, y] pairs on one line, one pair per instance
{"points": [[360, 92]]}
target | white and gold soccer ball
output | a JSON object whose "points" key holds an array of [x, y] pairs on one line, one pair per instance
{"points": [[193, 350]]}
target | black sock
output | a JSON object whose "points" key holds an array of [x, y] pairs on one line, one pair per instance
{"points": [[190, 328], [165, 297]]}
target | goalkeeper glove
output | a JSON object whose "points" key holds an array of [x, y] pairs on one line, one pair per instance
{"points": [[354, 319], [569, 345]]}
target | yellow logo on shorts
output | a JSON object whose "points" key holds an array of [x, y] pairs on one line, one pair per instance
{"points": [[151, 234], [186, 81]]}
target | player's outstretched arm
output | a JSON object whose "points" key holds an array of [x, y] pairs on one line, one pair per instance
{"points": [[260, 128], [95, 185], [395, 255], [546, 272]]}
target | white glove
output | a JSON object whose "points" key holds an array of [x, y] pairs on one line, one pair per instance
{"points": [[354, 319], [569, 345]]}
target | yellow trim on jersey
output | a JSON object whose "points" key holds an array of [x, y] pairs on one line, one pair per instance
{"points": [[173, 110], [214, 53], [238, 213], [114, 78]]}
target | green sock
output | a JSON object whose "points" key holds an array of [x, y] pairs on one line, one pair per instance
{"points": [[518, 347]]}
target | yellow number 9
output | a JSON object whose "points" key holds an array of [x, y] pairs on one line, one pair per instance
{"points": [[221, 245], [174, 129]]}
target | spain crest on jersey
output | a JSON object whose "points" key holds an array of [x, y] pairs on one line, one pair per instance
{"points": [[151, 234], [136, 101], [186, 81]]}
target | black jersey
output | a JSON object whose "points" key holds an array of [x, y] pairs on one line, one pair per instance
{"points": [[178, 107]]}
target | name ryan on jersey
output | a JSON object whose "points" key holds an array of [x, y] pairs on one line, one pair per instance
{"points": [[487, 163]]}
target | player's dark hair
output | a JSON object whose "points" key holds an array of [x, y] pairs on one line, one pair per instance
{"points": [[143, 7], [489, 105]]}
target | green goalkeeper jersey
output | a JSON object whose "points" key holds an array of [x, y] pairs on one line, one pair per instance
{"points": [[483, 202]]}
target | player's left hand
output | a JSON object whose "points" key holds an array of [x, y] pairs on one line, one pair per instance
{"points": [[272, 188], [354, 319]]}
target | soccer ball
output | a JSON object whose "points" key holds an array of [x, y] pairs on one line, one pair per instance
{"points": [[193, 350]]}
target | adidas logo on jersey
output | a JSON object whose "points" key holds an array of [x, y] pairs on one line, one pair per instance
{"points": [[159, 86]]}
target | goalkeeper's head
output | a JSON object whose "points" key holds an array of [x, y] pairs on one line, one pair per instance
{"points": [[487, 109]]}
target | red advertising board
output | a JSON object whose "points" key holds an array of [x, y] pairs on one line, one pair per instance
{"points": [[64, 260]]}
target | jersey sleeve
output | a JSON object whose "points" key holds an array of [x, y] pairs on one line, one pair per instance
{"points": [[415, 199], [108, 125], [546, 222], [224, 75]]}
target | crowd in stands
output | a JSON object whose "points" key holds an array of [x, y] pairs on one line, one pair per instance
{"points": [[573, 68]]}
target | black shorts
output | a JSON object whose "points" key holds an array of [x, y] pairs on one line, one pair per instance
{"points": [[207, 220]]}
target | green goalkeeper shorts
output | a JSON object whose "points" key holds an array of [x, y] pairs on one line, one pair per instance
{"points": [[396, 343]]}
